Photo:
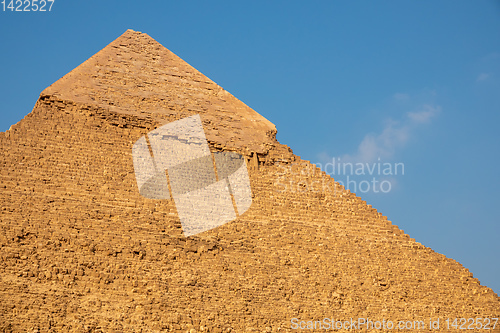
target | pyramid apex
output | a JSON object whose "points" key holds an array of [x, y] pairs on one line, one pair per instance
{"points": [[136, 75]]}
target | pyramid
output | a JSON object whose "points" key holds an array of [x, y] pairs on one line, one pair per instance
{"points": [[83, 251]]}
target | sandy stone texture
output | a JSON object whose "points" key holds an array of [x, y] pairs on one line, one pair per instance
{"points": [[82, 251]]}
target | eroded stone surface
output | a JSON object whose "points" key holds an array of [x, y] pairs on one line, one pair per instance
{"points": [[82, 251]]}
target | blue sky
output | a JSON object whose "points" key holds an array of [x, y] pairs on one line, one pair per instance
{"points": [[412, 82]]}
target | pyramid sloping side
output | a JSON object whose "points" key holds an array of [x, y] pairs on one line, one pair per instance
{"points": [[81, 250], [135, 75]]}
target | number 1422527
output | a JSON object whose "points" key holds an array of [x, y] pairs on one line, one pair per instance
{"points": [[27, 5]]}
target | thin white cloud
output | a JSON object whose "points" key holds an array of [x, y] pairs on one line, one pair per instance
{"points": [[424, 115], [401, 97], [393, 137], [482, 77], [383, 145]]}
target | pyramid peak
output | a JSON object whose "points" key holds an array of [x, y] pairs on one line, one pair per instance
{"points": [[136, 75]]}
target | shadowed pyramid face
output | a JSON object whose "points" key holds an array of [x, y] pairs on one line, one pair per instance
{"points": [[208, 190]]}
